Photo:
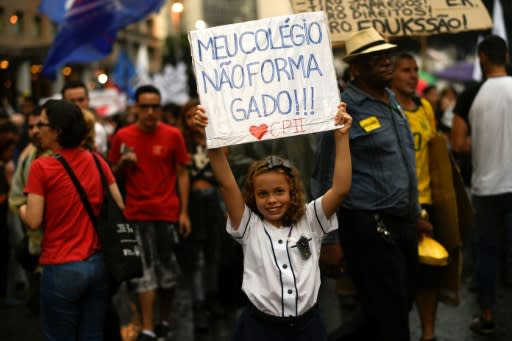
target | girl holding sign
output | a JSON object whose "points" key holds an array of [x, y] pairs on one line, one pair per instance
{"points": [[281, 236]]}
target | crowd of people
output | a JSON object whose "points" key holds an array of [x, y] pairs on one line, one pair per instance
{"points": [[260, 228]]}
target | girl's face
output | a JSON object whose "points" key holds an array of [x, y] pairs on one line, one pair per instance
{"points": [[272, 194]]}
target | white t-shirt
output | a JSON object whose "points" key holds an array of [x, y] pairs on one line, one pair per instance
{"points": [[490, 118], [277, 279]]}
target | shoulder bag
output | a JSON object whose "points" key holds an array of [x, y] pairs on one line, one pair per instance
{"points": [[119, 244]]}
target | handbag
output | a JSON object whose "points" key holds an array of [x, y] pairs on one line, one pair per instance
{"points": [[430, 252], [119, 243]]}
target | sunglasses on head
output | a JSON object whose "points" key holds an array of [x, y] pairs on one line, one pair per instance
{"points": [[273, 162]]}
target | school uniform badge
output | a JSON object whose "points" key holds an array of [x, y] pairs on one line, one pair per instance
{"points": [[303, 247]]}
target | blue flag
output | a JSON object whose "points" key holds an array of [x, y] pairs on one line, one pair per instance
{"points": [[54, 9], [124, 74], [89, 27]]}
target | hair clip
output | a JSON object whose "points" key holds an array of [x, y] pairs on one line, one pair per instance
{"points": [[273, 161]]}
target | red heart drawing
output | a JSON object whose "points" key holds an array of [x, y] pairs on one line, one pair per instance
{"points": [[258, 131]]}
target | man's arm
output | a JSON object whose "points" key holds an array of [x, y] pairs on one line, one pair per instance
{"points": [[17, 198], [459, 137], [120, 156], [183, 192], [127, 158]]}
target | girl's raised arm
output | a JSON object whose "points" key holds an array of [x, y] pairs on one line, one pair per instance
{"points": [[342, 175], [222, 171]]}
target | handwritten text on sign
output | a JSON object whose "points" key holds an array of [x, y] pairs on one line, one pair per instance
{"points": [[398, 17], [265, 79]]}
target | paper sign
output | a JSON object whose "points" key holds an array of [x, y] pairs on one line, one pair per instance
{"points": [[265, 79], [398, 17]]}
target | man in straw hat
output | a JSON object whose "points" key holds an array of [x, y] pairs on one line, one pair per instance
{"points": [[378, 217]]}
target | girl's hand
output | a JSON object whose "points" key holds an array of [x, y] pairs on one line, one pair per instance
{"points": [[343, 118], [200, 118]]}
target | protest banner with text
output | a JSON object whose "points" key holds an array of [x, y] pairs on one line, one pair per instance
{"points": [[265, 79], [398, 17]]}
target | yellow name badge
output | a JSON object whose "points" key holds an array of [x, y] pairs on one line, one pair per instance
{"points": [[370, 124]]}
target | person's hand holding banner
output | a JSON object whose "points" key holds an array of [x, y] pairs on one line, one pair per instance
{"points": [[265, 79]]}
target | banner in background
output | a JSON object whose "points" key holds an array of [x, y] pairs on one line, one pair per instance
{"points": [[265, 79], [398, 17]]}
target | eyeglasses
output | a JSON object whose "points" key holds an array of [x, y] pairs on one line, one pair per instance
{"points": [[273, 161], [39, 125], [149, 106], [379, 56]]}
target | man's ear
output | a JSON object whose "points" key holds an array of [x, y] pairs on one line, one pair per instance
{"points": [[482, 58], [354, 70]]}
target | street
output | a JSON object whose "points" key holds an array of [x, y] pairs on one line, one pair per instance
{"points": [[17, 323]]}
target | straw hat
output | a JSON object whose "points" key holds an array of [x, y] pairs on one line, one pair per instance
{"points": [[364, 42]]}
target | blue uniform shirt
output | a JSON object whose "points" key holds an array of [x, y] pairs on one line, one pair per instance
{"points": [[383, 157]]}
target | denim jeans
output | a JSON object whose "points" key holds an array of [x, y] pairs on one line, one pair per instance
{"points": [[493, 220], [74, 297]]}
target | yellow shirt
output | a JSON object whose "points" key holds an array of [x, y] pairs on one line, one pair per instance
{"points": [[423, 128]]}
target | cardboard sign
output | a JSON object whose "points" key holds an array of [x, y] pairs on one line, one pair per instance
{"points": [[265, 79], [398, 17]]}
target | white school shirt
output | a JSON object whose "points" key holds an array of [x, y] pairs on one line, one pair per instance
{"points": [[277, 279]]}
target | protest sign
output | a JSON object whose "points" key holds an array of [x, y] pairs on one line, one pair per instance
{"points": [[265, 79], [398, 17]]}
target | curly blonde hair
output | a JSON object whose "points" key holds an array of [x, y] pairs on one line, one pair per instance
{"points": [[277, 164]]}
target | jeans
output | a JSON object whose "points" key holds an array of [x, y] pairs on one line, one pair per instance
{"points": [[74, 297], [493, 220]]}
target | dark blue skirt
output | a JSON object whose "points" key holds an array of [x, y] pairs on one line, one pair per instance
{"points": [[253, 325]]}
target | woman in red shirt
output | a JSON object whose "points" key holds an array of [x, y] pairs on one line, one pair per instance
{"points": [[74, 285]]}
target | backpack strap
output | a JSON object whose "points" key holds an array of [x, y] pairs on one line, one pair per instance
{"points": [[100, 169]]}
